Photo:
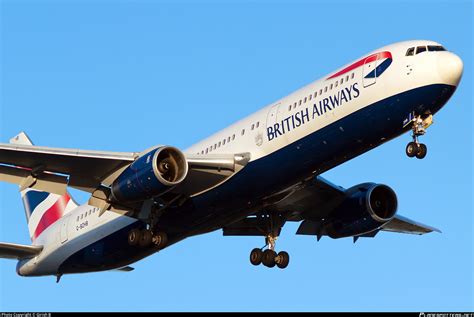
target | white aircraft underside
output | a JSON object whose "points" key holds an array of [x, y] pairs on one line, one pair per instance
{"points": [[248, 179]]}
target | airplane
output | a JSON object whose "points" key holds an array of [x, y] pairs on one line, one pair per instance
{"points": [[248, 179]]}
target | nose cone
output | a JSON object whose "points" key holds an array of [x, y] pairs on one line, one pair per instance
{"points": [[450, 68]]}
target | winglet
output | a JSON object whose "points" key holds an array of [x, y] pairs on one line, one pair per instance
{"points": [[21, 138]]}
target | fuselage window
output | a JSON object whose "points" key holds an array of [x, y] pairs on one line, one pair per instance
{"points": [[342, 80], [310, 97], [325, 88], [300, 102], [243, 132], [352, 76], [233, 136], [215, 146], [294, 105], [207, 150], [337, 83], [77, 218], [347, 78], [228, 139], [90, 212], [289, 108], [320, 91], [258, 124], [223, 142], [253, 127], [305, 99], [315, 94], [210, 149], [202, 152], [410, 51], [219, 144], [420, 49], [82, 216]]}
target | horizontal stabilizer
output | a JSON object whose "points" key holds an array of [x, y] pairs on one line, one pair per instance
{"points": [[404, 225], [18, 251]]}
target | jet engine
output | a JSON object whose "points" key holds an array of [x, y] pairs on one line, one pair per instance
{"points": [[367, 207], [150, 175]]}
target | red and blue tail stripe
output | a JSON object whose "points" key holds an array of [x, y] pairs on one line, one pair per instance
{"points": [[44, 209]]}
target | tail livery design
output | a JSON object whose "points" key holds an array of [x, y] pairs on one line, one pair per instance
{"points": [[43, 209]]}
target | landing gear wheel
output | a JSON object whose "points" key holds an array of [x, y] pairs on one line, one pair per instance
{"points": [[412, 149], [145, 239], [269, 258], [160, 239], [283, 259], [134, 237], [256, 256], [422, 151]]}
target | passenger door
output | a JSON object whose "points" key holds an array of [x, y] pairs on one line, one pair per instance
{"points": [[369, 73], [64, 227], [272, 115]]}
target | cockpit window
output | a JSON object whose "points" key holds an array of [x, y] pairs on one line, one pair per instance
{"points": [[420, 49], [436, 48], [410, 51]]}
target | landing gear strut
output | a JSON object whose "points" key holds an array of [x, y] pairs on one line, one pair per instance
{"points": [[419, 126], [269, 257]]}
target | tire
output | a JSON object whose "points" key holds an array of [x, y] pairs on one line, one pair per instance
{"points": [[422, 151], [134, 237], [145, 239], [283, 259], [256, 256], [160, 239], [411, 149], [269, 258]]}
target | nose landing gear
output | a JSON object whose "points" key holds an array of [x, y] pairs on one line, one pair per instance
{"points": [[419, 126]]}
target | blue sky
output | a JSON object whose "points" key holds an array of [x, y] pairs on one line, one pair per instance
{"points": [[126, 75]]}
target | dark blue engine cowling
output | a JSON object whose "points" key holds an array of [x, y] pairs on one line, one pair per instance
{"points": [[151, 175], [367, 207]]}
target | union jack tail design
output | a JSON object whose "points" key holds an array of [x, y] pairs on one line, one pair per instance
{"points": [[43, 209]]}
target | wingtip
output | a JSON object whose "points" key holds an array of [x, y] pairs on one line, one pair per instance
{"points": [[21, 138]]}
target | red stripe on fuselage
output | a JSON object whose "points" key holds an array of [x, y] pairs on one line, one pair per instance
{"points": [[361, 62], [52, 215]]}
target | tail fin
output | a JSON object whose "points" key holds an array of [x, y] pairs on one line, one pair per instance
{"points": [[42, 208]]}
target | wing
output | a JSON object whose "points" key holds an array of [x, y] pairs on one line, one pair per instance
{"points": [[404, 225], [53, 169], [18, 251], [86, 169], [312, 201]]}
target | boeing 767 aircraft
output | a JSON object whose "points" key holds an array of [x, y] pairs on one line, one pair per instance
{"points": [[246, 180]]}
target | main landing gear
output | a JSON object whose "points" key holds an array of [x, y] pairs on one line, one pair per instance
{"points": [[269, 257], [144, 238], [419, 126]]}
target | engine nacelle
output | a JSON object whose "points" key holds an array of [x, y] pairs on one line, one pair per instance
{"points": [[367, 207], [150, 175]]}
